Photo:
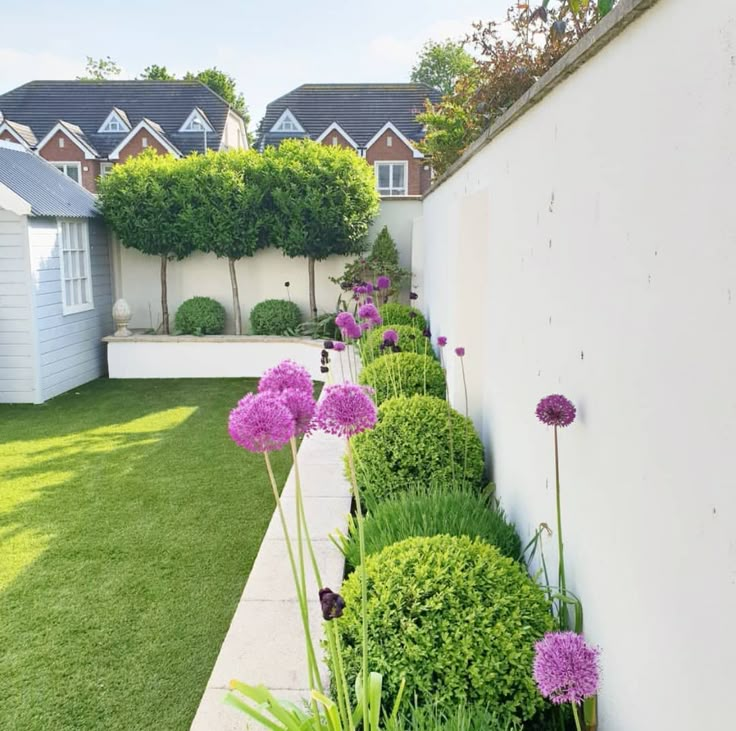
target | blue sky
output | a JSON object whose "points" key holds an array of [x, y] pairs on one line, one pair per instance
{"points": [[270, 47]]}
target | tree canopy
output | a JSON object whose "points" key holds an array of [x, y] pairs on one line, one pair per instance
{"points": [[154, 72], [98, 69], [440, 65]]}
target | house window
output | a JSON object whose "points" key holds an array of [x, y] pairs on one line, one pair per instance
{"points": [[389, 141], [114, 124], [195, 122], [72, 170], [287, 123], [391, 178], [144, 141], [334, 139], [105, 168], [76, 281], [61, 142]]}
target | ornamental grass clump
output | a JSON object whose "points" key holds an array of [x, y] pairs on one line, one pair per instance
{"points": [[409, 448], [455, 618], [432, 511], [404, 374]]}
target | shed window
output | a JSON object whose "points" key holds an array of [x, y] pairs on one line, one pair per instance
{"points": [[391, 178], [76, 281]]}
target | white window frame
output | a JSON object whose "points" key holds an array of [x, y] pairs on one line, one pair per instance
{"points": [[105, 168], [85, 282], [114, 117], [386, 192], [71, 163], [196, 122], [288, 117]]}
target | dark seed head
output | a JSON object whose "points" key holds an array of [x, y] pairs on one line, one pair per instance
{"points": [[332, 604]]}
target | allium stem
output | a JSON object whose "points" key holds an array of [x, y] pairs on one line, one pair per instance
{"points": [[467, 419], [363, 578], [303, 516], [449, 419], [313, 669], [577, 717], [560, 550], [424, 381]]}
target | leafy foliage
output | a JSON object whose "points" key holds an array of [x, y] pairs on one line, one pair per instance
{"points": [[200, 316], [383, 260], [411, 340], [275, 317], [410, 448], [403, 374], [324, 199], [394, 313], [435, 510], [154, 72], [99, 69], [462, 718], [512, 57], [440, 65], [453, 617]]}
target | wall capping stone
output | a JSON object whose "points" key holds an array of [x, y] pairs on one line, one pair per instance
{"points": [[626, 12]]}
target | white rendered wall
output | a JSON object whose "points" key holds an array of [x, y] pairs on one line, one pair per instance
{"points": [[260, 277], [590, 250]]}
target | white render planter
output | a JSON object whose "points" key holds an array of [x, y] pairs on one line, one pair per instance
{"points": [[212, 356]]}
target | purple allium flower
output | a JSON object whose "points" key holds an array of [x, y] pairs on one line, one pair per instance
{"points": [[460, 352], [353, 331], [344, 320], [368, 312], [302, 407], [368, 287], [365, 326], [332, 604], [369, 300], [556, 410], [261, 423], [566, 668], [346, 410], [442, 341], [338, 346], [383, 282], [390, 337], [286, 374]]}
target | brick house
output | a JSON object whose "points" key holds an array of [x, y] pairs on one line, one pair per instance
{"points": [[85, 127], [377, 120]]}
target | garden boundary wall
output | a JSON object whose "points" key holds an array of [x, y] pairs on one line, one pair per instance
{"points": [[586, 245], [260, 277]]}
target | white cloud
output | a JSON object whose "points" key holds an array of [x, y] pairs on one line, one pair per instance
{"points": [[18, 67]]}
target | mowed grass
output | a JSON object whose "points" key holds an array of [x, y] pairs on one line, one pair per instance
{"points": [[128, 524]]}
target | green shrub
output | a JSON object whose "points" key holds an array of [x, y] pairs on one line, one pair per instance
{"points": [[200, 316], [410, 448], [433, 512], [411, 340], [394, 313], [404, 374], [453, 617], [275, 317]]}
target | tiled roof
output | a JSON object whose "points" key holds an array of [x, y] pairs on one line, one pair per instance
{"points": [[47, 190], [86, 104], [360, 109], [23, 131]]}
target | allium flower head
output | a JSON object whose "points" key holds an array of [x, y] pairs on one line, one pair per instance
{"points": [[360, 289], [390, 337], [383, 282], [566, 668], [352, 331], [442, 341], [346, 410], [367, 325], [556, 410], [368, 287], [332, 604], [302, 407], [368, 312], [344, 320], [286, 374], [460, 352], [261, 423], [328, 345], [338, 346]]}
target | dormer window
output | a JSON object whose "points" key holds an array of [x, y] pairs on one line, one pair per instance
{"points": [[196, 122], [116, 123], [287, 123]]}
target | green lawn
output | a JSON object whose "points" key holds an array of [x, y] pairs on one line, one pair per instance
{"points": [[128, 524]]}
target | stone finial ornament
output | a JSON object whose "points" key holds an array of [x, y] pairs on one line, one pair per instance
{"points": [[121, 315]]}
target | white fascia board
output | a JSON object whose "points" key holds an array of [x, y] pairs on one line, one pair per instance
{"points": [[335, 127], [389, 126]]}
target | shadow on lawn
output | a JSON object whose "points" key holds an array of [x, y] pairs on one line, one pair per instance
{"points": [[128, 524]]}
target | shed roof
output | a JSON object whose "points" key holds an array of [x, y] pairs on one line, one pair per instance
{"points": [[46, 190]]}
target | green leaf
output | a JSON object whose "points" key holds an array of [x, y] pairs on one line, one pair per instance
{"points": [[605, 7]]}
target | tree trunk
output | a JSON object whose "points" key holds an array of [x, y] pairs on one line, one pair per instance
{"points": [[236, 296], [312, 296], [164, 298]]}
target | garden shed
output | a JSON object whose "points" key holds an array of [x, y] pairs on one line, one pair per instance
{"points": [[55, 280]]}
